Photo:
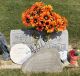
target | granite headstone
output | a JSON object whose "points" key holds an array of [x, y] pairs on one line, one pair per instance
{"points": [[46, 52], [45, 60], [2, 38], [3, 47], [57, 40]]}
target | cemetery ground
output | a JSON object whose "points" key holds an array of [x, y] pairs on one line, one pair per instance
{"points": [[10, 18]]}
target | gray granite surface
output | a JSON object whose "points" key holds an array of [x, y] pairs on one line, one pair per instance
{"points": [[57, 40], [46, 60]]}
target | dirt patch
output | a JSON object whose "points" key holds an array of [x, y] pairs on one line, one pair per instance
{"points": [[8, 65]]}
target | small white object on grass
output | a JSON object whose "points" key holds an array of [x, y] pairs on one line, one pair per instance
{"points": [[20, 53], [63, 55]]}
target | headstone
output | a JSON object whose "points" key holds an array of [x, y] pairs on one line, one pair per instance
{"points": [[42, 48], [3, 47], [2, 38], [57, 40], [19, 36], [45, 60]]}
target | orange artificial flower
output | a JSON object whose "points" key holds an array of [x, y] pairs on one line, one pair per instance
{"points": [[50, 28], [56, 16], [45, 16], [62, 24], [27, 11], [65, 22], [36, 10], [36, 6], [33, 7], [61, 28], [39, 11], [47, 22], [26, 19], [47, 8], [32, 13], [42, 23], [59, 21], [39, 28], [34, 21], [39, 4]]}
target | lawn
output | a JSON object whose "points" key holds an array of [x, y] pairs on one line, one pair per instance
{"points": [[18, 72], [11, 10], [10, 18]]}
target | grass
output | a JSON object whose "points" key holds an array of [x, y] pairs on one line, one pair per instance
{"points": [[10, 18], [18, 72], [11, 10]]}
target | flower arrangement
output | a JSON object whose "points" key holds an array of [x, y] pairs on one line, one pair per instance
{"points": [[41, 17]]}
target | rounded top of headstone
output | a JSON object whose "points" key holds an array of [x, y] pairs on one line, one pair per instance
{"points": [[19, 53]]}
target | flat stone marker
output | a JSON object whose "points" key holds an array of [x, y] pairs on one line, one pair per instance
{"points": [[46, 60]]}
